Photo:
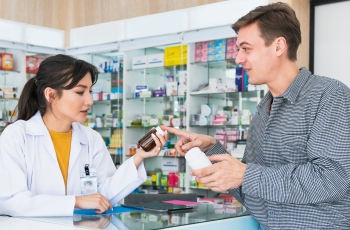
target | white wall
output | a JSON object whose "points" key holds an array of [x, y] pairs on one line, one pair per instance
{"points": [[332, 41]]}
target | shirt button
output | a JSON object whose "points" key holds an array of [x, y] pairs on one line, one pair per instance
{"points": [[267, 137], [272, 213]]}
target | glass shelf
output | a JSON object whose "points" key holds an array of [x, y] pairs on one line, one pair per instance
{"points": [[8, 99], [3, 72], [224, 64], [156, 98], [199, 188], [139, 126], [159, 70], [107, 101], [159, 186], [108, 75], [225, 126], [100, 128], [242, 95]]}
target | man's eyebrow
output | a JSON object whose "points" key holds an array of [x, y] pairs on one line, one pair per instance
{"points": [[243, 43]]}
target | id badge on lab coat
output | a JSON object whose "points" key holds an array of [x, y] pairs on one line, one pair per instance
{"points": [[88, 182]]}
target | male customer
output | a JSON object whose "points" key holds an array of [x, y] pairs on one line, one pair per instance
{"points": [[295, 173]]}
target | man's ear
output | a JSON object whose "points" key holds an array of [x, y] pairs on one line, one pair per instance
{"points": [[50, 94], [281, 46]]}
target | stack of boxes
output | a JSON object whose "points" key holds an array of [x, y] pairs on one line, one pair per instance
{"points": [[216, 50], [201, 52], [10, 92]]}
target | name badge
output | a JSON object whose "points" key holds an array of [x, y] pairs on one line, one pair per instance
{"points": [[88, 182]]}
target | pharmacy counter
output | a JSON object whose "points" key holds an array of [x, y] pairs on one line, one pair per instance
{"points": [[205, 217]]}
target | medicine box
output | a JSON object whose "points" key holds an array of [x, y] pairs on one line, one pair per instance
{"points": [[139, 62], [201, 52], [231, 50], [155, 60], [6, 61], [176, 164], [175, 55], [171, 88]]}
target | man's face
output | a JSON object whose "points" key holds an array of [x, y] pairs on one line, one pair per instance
{"points": [[255, 57]]}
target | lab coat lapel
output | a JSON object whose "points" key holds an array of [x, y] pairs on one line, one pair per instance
{"points": [[35, 126], [78, 138]]}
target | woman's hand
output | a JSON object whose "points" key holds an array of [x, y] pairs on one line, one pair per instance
{"points": [[94, 201], [98, 222], [160, 142]]}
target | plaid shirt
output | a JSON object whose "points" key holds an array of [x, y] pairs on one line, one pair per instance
{"points": [[298, 157]]}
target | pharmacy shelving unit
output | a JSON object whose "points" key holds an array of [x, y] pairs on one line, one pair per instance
{"points": [[18, 77], [200, 73], [157, 107], [14, 78], [108, 106]]}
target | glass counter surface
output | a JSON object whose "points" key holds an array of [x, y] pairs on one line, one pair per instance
{"points": [[145, 220]]}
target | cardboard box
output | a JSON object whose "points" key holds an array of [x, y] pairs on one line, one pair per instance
{"points": [[155, 60], [176, 164], [6, 61], [139, 62], [171, 88], [175, 55]]}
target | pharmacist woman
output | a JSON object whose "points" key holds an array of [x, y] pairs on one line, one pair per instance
{"points": [[47, 156]]}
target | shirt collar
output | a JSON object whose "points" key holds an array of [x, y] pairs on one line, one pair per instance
{"points": [[297, 84]]}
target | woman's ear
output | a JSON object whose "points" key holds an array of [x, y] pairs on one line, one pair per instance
{"points": [[50, 94]]}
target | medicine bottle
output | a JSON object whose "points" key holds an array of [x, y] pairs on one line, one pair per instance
{"points": [[147, 143], [196, 159]]}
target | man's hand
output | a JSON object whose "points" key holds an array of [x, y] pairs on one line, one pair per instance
{"points": [[227, 174], [189, 140]]}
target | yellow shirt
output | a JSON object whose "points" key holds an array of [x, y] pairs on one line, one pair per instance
{"points": [[62, 143]]}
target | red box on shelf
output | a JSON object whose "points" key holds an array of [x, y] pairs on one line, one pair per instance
{"points": [[6, 61], [31, 64]]}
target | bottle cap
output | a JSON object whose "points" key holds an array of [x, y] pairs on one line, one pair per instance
{"points": [[197, 159], [160, 131]]}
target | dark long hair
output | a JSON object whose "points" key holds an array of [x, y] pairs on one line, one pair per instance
{"points": [[54, 72]]}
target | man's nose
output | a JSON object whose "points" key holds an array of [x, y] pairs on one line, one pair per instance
{"points": [[240, 59]]}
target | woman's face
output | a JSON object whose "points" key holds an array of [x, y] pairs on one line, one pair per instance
{"points": [[74, 104]]}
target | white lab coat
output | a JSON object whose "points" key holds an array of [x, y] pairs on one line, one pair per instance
{"points": [[31, 182]]}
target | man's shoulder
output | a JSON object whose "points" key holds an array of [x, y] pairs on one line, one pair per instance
{"points": [[327, 85]]}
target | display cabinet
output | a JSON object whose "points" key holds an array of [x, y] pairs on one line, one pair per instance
{"points": [[221, 103], [153, 96], [106, 113], [11, 82]]}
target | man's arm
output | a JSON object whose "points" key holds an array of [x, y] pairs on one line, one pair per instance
{"points": [[326, 177]]}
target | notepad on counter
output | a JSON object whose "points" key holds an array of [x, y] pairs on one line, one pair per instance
{"points": [[182, 202], [117, 209]]}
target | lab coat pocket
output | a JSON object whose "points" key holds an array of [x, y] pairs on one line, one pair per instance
{"points": [[294, 148]]}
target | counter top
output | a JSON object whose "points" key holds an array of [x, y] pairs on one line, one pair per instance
{"points": [[206, 216]]}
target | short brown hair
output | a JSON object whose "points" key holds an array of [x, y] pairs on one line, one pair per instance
{"points": [[274, 20]]}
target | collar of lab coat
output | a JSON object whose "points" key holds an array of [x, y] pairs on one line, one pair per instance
{"points": [[35, 126]]}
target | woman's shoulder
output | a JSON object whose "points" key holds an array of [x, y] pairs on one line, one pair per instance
{"points": [[16, 127]]}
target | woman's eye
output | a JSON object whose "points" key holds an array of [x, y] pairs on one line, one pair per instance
{"points": [[90, 91], [80, 93]]}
